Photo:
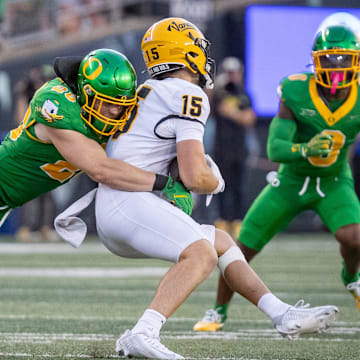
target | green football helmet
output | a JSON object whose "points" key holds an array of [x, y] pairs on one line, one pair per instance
{"points": [[336, 57], [106, 76]]}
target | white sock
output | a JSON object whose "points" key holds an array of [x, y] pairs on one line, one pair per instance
{"points": [[272, 306], [151, 321]]}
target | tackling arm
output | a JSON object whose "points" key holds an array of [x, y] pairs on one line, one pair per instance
{"points": [[87, 155]]}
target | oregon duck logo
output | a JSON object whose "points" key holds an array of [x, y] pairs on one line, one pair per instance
{"points": [[94, 72]]}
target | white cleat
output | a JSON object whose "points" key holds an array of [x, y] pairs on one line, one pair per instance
{"points": [[354, 289], [300, 319], [144, 346]]}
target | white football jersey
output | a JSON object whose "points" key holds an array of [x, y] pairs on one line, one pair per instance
{"points": [[168, 111]]}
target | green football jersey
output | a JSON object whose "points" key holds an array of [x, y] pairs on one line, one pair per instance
{"points": [[300, 93], [29, 166]]}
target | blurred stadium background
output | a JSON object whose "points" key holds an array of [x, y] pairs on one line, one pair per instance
{"points": [[57, 302]]}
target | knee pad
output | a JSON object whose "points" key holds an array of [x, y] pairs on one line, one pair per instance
{"points": [[232, 254]]}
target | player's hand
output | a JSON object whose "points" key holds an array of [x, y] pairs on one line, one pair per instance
{"points": [[319, 145], [216, 172], [176, 193]]}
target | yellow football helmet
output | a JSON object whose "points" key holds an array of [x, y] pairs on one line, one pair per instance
{"points": [[175, 43]]}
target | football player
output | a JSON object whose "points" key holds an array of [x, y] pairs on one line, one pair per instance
{"points": [[68, 121], [170, 118], [318, 119]]}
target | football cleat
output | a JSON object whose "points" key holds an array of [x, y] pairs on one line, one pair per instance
{"points": [[354, 290], [212, 321], [143, 345], [300, 319]]}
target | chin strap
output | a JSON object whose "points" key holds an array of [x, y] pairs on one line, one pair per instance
{"points": [[204, 80]]}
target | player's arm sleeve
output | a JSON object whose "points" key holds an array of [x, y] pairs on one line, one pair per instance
{"points": [[189, 111], [282, 132], [194, 110], [55, 111], [280, 145]]}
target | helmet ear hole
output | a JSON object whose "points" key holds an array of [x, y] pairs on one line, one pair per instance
{"points": [[193, 54]]}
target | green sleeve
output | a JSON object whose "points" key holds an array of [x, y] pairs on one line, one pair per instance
{"points": [[280, 145]]}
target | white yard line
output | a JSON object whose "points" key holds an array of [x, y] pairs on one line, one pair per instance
{"points": [[84, 272], [337, 324], [125, 274], [250, 334], [51, 248], [84, 356]]}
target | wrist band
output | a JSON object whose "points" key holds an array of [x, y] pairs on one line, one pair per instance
{"points": [[160, 182]]}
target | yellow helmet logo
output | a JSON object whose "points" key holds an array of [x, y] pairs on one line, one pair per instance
{"points": [[95, 73], [180, 26]]}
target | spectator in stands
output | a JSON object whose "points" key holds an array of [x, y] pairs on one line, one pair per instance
{"points": [[69, 18], [234, 117]]}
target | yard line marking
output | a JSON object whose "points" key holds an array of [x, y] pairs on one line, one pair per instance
{"points": [[84, 272], [51, 248], [245, 334], [85, 356], [49, 356], [124, 273], [337, 324], [196, 294]]}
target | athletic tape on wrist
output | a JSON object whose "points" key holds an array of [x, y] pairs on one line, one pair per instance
{"points": [[232, 254]]}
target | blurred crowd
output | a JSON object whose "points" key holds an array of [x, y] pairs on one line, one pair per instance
{"points": [[23, 22]]}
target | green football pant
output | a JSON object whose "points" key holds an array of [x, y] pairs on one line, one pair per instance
{"points": [[333, 198]]}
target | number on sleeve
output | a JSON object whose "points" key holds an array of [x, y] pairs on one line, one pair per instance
{"points": [[193, 107], [14, 134], [63, 89]]}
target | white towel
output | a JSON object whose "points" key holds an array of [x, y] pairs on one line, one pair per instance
{"points": [[71, 228]]}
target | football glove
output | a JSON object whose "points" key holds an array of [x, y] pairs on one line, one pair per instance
{"points": [[176, 193], [319, 145], [216, 172]]}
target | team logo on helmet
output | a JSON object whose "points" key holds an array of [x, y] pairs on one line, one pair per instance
{"points": [[95, 73], [181, 26]]}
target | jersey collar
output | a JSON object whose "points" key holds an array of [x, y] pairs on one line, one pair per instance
{"points": [[332, 117]]}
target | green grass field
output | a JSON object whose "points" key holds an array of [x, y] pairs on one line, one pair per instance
{"points": [[57, 302]]}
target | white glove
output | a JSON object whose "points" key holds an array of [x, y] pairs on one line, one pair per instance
{"points": [[216, 172]]}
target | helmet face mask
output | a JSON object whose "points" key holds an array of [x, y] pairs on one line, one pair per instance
{"points": [[106, 79], [336, 57], [175, 43]]}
